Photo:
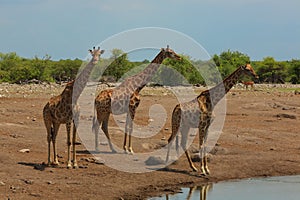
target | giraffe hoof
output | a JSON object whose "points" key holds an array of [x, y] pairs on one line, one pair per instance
{"points": [[207, 172], [131, 152], [195, 170], [55, 164], [75, 166], [113, 151], [203, 174]]}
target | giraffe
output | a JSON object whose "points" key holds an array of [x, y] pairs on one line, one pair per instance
{"points": [[59, 110], [125, 99], [198, 113]]}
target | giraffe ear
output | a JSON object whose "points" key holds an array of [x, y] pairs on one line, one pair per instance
{"points": [[102, 51], [90, 51]]}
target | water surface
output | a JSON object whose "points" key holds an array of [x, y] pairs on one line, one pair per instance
{"points": [[273, 188]]}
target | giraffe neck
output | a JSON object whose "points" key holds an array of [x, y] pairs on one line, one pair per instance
{"points": [[139, 80], [76, 86], [216, 93]]}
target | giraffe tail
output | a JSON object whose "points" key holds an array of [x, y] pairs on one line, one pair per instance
{"points": [[177, 144], [52, 133]]}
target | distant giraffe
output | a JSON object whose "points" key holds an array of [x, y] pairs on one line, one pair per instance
{"points": [[198, 113], [248, 83], [125, 99], [59, 110]]}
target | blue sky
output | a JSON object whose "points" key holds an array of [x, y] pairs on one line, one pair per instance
{"points": [[66, 29]]}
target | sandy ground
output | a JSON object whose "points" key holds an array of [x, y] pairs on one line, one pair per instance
{"points": [[260, 138]]}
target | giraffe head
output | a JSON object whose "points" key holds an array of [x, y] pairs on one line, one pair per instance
{"points": [[169, 53], [96, 53], [248, 69]]}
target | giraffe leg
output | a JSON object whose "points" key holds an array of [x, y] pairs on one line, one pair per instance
{"points": [[184, 137], [68, 127], [170, 141], [202, 162], [55, 131], [128, 131], [49, 138], [130, 119], [190, 161], [124, 144], [49, 149], [203, 129], [74, 146], [105, 130], [95, 128], [207, 171], [201, 149], [176, 118], [49, 128]]}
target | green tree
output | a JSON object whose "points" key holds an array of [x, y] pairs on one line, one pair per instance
{"points": [[269, 70], [119, 65], [294, 71], [229, 60], [177, 72]]}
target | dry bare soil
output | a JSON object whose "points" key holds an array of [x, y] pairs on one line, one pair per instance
{"points": [[260, 138]]}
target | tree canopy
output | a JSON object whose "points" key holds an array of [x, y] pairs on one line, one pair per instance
{"points": [[15, 69]]}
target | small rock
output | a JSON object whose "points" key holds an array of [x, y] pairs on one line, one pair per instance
{"points": [[104, 143], [284, 115], [288, 108], [29, 182], [35, 194], [99, 162], [150, 120], [2, 183], [24, 150], [152, 160], [49, 182], [33, 119]]}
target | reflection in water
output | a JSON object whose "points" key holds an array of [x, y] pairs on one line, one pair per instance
{"points": [[203, 189], [270, 188]]}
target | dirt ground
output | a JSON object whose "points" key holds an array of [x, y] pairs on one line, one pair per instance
{"points": [[260, 138]]}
